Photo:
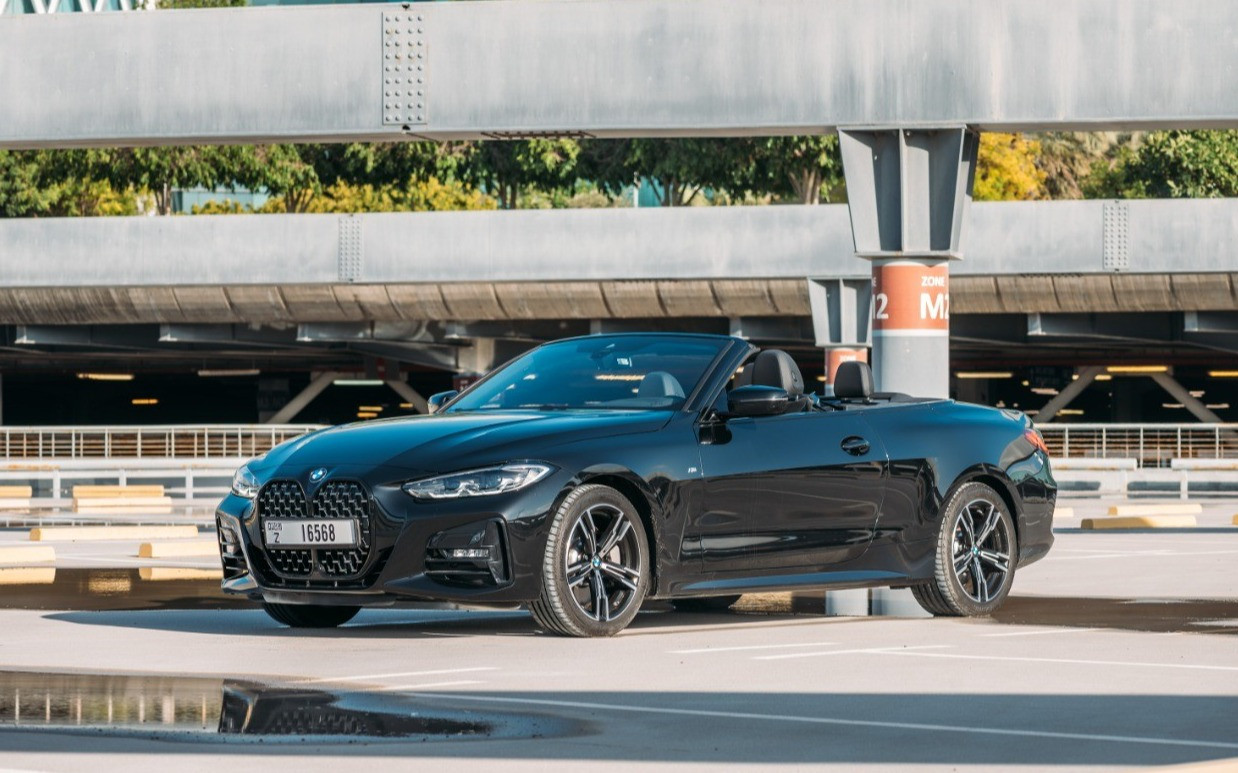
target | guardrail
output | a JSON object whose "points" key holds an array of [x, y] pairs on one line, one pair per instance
{"points": [[1151, 445], [202, 441]]}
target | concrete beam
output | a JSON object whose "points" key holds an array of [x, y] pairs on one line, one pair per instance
{"points": [[303, 398], [402, 389], [1182, 395], [1069, 392], [656, 67]]}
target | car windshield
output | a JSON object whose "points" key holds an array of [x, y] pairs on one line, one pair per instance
{"points": [[607, 372]]}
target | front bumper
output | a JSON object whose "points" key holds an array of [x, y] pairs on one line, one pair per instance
{"points": [[405, 554]]}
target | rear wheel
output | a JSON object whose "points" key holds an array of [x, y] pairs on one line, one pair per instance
{"points": [[976, 555], [309, 615], [596, 568], [705, 603]]}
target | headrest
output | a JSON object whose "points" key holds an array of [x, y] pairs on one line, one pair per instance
{"points": [[774, 367], [659, 383], [852, 380]]}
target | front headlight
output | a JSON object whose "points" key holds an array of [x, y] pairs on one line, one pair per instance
{"points": [[244, 484], [479, 483]]}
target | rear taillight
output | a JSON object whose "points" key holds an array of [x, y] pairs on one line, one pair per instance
{"points": [[1033, 437]]}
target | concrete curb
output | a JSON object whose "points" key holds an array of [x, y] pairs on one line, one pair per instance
{"points": [[91, 533], [1191, 509], [28, 575], [1140, 522], [27, 554], [194, 548], [168, 573]]}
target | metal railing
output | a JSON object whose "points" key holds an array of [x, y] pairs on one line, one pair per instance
{"points": [[204, 441], [1152, 445]]}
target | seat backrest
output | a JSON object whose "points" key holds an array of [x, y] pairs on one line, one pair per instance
{"points": [[659, 383], [776, 368], [853, 380]]}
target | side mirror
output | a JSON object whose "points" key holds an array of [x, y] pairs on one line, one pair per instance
{"points": [[754, 400], [437, 401]]}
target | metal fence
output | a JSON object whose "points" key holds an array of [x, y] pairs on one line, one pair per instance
{"points": [[206, 441], [1152, 445]]}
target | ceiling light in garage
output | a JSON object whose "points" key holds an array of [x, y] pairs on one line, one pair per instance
{"points": [[145, 401], [106, 376], [220, 372], [1223, 373], [985, 374], [1138, 368]]}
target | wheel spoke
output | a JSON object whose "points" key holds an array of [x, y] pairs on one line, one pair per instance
{"points": [[590, 531], [961, 560], [601, 601], [990, 523], [968, 529], [999, 561], [622, 574], [578, 573], [618, 530], [978, 580]]}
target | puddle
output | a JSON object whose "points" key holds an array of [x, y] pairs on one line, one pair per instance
{"points": [[1168, 615], [94, 590], [202, 709]]}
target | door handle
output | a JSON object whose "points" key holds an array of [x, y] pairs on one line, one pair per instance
{"points": [[855, 445]]}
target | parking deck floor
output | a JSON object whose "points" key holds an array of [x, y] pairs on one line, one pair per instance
{"points": [[1118, 651]]}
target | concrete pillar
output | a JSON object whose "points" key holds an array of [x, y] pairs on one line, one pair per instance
{"points": [[908, 193], [837, 356], [1, 398]]}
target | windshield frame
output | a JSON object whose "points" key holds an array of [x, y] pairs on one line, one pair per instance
{"points": [[706, 382]]}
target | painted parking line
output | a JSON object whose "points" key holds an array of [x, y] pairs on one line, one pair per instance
{"points": [[1064, 661], [1042, 633], [885, 725], [865, 651], [751, 647], [398, 675]]}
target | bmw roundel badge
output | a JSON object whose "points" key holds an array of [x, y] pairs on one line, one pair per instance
{"points": [[318, 474]]}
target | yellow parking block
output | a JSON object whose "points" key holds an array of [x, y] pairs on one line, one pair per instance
{"points": [[90, 491], [162, 573], [1140, 522], [28, 575], [16, 492], [1235, 521], [15, 503], [90, 533], [192, 548], [1064, 512], [27, 554], [1186, 509]]}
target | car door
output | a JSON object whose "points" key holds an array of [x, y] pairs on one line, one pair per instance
{"points": [[797, 491]]}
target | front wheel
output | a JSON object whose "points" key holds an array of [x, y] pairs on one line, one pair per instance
{"points": [[976, 555], [595, 572], [309, 615]]}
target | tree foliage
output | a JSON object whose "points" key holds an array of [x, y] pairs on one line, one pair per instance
{"points": [[1170, 164], [806, 169], [1006, 169]]}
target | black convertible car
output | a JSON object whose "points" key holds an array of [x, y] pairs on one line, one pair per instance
{"points": [[593, 473]]}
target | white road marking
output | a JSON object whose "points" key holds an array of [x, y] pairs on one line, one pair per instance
{"points": [[427, 685], [743, 715], [867, 651], [752, 647], [1067, 661], [399, 674], [1042, 633]]}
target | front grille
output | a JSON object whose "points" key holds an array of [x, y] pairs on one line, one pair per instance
{"points": [[334, 499]]}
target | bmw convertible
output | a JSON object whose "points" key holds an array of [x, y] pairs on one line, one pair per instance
{"points": [[591, 474]]}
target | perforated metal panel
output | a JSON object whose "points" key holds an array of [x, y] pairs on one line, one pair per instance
{"points": [[1116, 255], [404, 68], [350, 250]]}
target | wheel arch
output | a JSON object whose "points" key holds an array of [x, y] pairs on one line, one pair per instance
{"points": [[995, 479], [636, 491]]}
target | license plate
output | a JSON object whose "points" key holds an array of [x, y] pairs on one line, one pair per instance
{"points": [[302, 533]]}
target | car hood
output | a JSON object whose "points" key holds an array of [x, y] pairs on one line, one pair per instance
{"points": [[446, 442]]}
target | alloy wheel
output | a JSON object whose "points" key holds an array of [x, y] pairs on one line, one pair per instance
{"points": [[603, 562], [981, 550]]}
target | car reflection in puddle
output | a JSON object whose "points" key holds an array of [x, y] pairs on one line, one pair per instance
{"points": [[224, 709]]}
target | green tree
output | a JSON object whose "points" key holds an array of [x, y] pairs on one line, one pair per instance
{"points": [[679, 169], [1171, 164], [807, 169], [507, 168]]}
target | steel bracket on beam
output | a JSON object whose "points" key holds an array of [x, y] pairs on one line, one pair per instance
{"points": [[841, 312], [404, 67]]}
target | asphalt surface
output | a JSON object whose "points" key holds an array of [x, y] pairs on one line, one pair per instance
{"points": [[1118, 651]]}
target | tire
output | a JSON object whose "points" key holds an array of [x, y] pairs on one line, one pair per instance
{"points": [[704, 603], [595, 573], [977, 553], [309, 616]]}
